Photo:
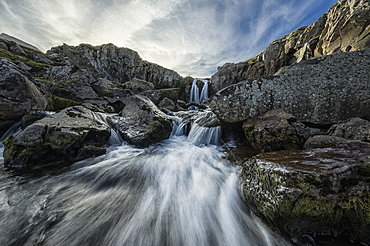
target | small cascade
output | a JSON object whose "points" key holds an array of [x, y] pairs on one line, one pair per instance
{"points": [[194, 92], [204, 93], [204, 135], [115, 138], [179, 127]]}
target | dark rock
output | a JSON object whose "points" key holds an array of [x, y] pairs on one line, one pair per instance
{"points": [[330, 91], [167, 104], [315, 192], [156, 96], [141, 123], [272, 131], [63, 137], [18, 94], [355, 128]]}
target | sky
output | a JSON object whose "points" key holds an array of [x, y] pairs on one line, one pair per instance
{"points": [[192, 37]]}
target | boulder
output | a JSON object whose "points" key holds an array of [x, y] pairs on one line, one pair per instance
{"points": [[354, 128], [167, 104], [141, 123], [312, 192], [322, 91], [19, 95], [138, 85], [73, 134], [272, 131]]}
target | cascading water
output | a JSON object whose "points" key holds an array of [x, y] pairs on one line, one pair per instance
{"points": [[173, 193], [196, 96]]}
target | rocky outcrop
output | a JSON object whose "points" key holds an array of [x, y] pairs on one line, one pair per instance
{"points": [[19, 95], [70, 135], [312, 192], [322, 90], [141, 123], [354, 128], [110, 62], [344, 28]]}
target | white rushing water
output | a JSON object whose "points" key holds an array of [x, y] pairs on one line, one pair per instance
{"points": [[173, 193], [197, 96]]}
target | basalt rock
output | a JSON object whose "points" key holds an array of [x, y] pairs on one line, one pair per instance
{"points": [[312, 192], [64, 137], [322, 90], [344, 28], [141, 123]]}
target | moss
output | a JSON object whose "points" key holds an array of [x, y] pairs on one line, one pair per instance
{"points": [[108, 93], [252, 61], [314, 38], [45, 80], [364, 173], [35, 66], [248, 130], [80, 129], [58, 103]]}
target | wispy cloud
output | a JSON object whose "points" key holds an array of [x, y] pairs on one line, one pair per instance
{"points": [[192, 37]]}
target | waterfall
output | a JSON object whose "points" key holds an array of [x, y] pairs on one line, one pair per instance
{"points": [[204, 93], [182, 191], [194, 92]]}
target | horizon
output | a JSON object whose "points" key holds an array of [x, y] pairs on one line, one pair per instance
{"points": [[191, 37]]}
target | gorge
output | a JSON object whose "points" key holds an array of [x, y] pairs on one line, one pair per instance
{"points": [[103, 148]]}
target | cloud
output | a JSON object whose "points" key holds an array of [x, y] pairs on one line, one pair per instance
{"points": [[192, 37]]}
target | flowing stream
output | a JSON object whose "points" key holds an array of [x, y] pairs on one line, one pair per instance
{"points": [[182, 191]]}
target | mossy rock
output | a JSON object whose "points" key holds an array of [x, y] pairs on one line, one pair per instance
{"points": [[56, 103]]}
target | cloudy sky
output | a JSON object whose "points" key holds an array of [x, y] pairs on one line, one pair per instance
{"points": [[192, 37]]}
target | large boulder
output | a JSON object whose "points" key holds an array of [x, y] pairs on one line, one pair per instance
{"points": [[141, 123], [344, 28], [19, 95], [70, 135], [322, 90], [312, 192]]}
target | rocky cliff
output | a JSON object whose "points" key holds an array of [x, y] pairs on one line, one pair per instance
{"points": [[345, 27]]}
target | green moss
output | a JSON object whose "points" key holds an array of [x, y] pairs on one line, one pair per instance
{"points": [[35, 66], [58, 103], [108, 93], [248, 130], [45, 80], [252, 61], [314, 38]]}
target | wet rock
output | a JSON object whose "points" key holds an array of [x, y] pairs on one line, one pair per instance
{"points": [[355, 128], [167, 104], [63, 137], [141, 123], [321, 91], [272, 131], [314, 192]]}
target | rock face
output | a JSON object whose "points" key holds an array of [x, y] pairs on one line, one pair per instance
{"points": [[70, 135], [344, 28], [109, 62], [321, 90], [141, 123], [312, 192], [18, 93], [355, 128]]}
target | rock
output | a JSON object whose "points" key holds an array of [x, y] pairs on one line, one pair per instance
{"points": [[311, 192], [167, 104], [110, 62], [141, 123], [326, 141], [64, 137], [344, 28], [138, 85], [321, 91], [355, 128], [272, 131], [156, 96], [18, 94]]}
